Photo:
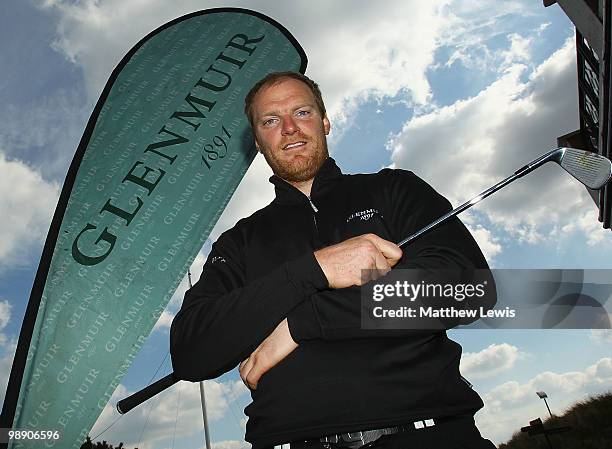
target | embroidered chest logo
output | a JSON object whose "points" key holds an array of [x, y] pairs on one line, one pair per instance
{"points": [[363, 215], [217, 259]]}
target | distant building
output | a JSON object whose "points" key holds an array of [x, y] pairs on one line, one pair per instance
{"points": [[592, 19]]}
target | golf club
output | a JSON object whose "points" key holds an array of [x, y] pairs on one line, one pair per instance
{"points": [[591, 169]]}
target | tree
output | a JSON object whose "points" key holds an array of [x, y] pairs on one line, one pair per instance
{"points": [[103, 445]]}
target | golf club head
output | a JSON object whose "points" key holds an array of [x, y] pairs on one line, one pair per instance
{"points": [[591, 169]]}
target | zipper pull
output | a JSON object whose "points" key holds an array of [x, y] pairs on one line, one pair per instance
{"points": [[312, 205], [469, 384]]}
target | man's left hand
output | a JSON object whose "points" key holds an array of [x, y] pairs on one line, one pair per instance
{"points": [[270, 352]]}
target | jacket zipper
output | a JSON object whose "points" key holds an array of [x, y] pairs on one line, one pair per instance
{"points": [[314, 215], [466, 381]]}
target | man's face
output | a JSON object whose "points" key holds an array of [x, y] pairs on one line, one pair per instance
{"points": [[289, 130]]}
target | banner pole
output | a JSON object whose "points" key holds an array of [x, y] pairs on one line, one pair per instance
{"points": [[204, 416], [202, 394]]}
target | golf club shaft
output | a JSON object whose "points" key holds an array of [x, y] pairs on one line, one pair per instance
{"points": [[519, 173]]}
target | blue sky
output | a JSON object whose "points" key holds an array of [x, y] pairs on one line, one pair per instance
{"points": [[461, 92]]}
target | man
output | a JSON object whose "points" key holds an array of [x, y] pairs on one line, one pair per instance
{"points": [[279, 295]]}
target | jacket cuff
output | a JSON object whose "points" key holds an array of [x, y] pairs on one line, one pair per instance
{"points": [[305, 272], [303, 323]]}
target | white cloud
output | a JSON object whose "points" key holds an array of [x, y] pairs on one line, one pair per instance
{"points": [[5, 313], [494, 359], [513, 404], [164, 321], [481, 140], [588, 225], [46, 130], [489, 244], [513, 394], [157, 417], [519, 51], [601, 336], [7, 347], [26, 206], [543, 27], [477, 55], [475, 24], [231, 444]]}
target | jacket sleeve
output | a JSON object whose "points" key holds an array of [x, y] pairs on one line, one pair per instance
{"points": [[222, 319], [412, 204]]}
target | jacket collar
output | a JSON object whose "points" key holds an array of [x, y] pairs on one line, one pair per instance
{"points": [[327, 175]]}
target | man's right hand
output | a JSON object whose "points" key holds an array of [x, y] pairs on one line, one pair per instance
{"points": [[343, 262]]}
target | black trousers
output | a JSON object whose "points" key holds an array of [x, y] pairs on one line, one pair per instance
{"points": [[457, 434]]}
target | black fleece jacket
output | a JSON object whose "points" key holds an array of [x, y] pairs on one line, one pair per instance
{"points": [[341, 377]]}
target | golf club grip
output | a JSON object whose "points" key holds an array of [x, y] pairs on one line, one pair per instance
{"points": [[127, 404]]}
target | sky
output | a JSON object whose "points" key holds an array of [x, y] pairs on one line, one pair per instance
{"points": [[460, 92]]}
